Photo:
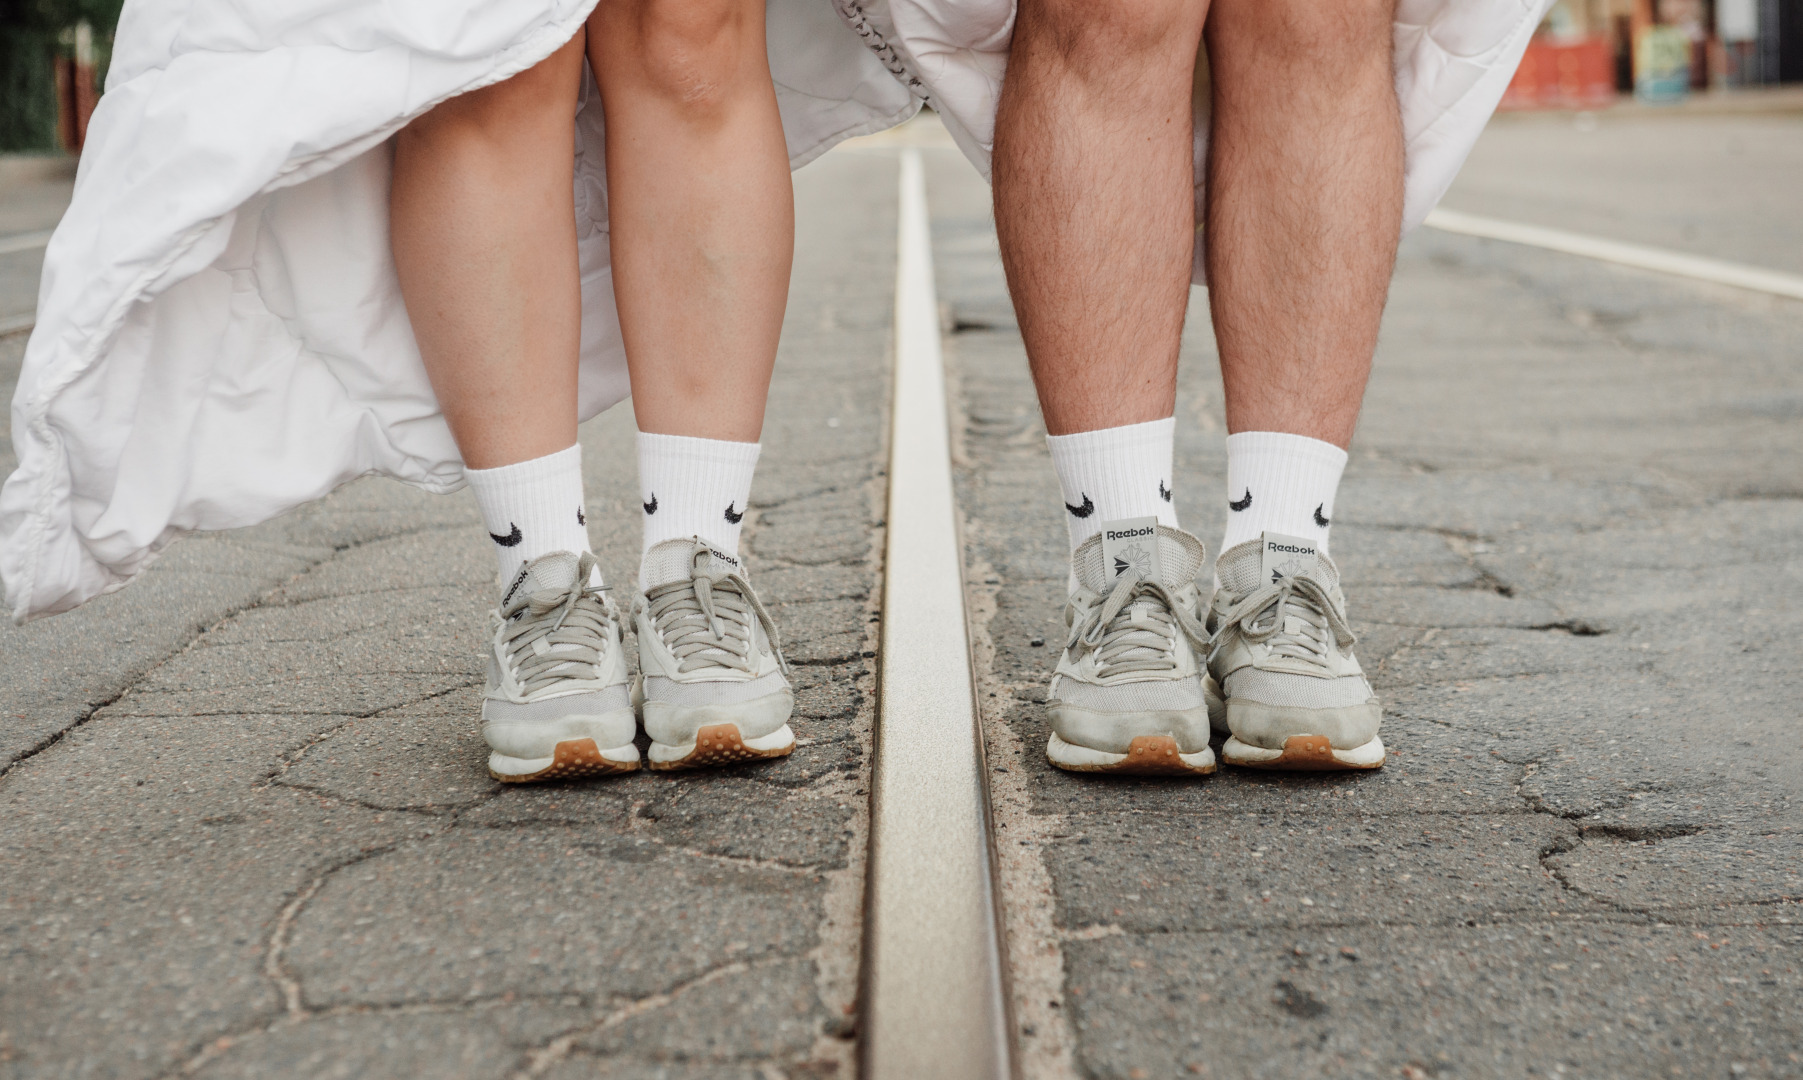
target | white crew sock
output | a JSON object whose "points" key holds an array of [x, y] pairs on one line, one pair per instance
{"points": [[693, 487], [532, 508], [1114, 473], [1280, 483]]}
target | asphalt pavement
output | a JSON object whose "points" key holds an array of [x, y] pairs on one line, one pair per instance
{"points": [[245, 828], [248, 830], [1571, 535]]}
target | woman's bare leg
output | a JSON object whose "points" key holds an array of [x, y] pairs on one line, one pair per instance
{"points": [[700, 206], [484, 235]]}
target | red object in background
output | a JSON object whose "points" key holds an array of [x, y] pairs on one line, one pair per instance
{"points": [[1563, 75], [75, 100]]}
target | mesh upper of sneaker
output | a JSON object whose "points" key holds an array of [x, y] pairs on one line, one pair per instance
{"points": [[710, 621], [1131, 628], [1300, 621], [555, 633]]}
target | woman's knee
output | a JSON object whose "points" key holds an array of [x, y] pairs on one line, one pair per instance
{"points": [[543, 95], [697, 53]]}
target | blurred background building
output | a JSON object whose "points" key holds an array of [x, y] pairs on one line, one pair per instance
{"points": [[53, 56], [1589, 52]]}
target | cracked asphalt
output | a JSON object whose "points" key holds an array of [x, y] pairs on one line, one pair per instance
{"points": [[245, 828], [1572, 540], [248, 830]]}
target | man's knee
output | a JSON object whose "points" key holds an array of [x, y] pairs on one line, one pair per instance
{"points": [[1110, 35], [692, 52], [1305, 34]]}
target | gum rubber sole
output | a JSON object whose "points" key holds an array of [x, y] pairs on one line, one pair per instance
{"points": [[721, 744], [571, 759], [1147, 755], [1304, 753]]}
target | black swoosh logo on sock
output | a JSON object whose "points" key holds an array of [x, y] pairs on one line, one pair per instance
{"points": [[512, 539], [1241, 504], [732, 518], [1083, 511], [580, 519], [1319, 520], [1164, 492], [651, 507]]}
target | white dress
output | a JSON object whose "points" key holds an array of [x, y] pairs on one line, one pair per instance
{"points": [[220, 336]]}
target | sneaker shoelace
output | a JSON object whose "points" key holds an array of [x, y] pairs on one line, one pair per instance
{"points": [[705, 620], [1133, 629], [555, 635], [1295, 617]]}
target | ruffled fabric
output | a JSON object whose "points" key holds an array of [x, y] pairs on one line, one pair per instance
{"points": [[220, 334]]}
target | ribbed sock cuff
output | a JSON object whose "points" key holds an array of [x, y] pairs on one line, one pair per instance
{"points": [[532, 508], [694, 487], [1114, 473], [1277, 482]]}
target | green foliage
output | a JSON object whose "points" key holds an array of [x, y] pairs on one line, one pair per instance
{"points": [[52, 16], [30, 38]]}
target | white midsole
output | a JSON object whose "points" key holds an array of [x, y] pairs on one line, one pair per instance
{"points": [[676, 725], [512, 766], [1236, 752], [776, 740], [530, 740], [1065, 753]]}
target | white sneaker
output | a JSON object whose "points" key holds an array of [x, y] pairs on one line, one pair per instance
{"points": [[1282, 652], [557, 704], [711, 688], [1130, 694]]}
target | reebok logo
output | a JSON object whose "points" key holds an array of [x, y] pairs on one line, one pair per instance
{"points": [[1288, 557], [512, 539], [518, 580], [1128, 534], [651, 507], [1083, 511], [1134, 558], [732, 518], [1236, 505], [1130, 547]]}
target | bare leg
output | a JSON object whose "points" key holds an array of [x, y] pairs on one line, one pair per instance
{"points": [[1094, 202], [1304, 207], [483, 231], [701, 208]]}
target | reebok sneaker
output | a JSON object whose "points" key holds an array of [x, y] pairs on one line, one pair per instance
{"points": [[711, 688], [1296, 697], [1130, 694], [557, 704]]}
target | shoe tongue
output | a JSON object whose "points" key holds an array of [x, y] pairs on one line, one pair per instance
{"points": [[1179, 556], [673, 560], [555, 570], [1247, 566]]}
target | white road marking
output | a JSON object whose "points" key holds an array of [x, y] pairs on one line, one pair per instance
{"points": [[32, 241], [1637, 255], [932, 969]]}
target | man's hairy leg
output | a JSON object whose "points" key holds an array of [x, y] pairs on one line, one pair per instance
{"points": [[1094, 202], [1094, 190], [1305, 177], [1304, 208]]}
